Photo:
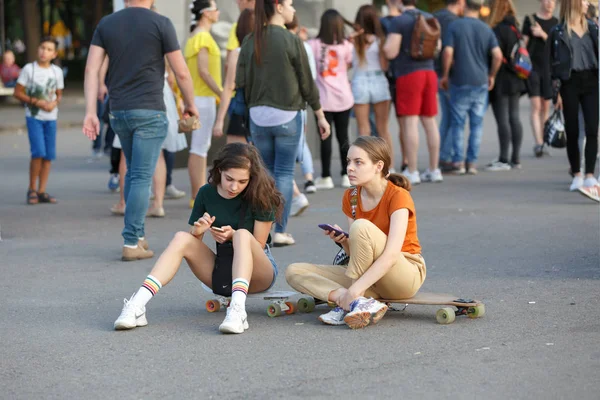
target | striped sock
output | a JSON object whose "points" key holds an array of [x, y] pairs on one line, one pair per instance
{"points": [[149, 288], [239, 291]]}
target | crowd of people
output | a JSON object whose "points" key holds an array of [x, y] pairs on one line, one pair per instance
{"points": [[141, 87]]}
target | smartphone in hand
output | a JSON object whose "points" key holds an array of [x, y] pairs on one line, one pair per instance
{"points": [[331, 228], [217, 229]]}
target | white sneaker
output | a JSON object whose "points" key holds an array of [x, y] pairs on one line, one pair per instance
{"points": [[334, 317], [282, 239], [413, 177], [299, 205], [365, 311], [346, 181], [236, 320], [590, 182], [432, 176], [496, 165], [173, 193], [576, 183], [131, 316], [593, 192], [324, 183]]}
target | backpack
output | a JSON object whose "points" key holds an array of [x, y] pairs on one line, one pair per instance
{"points": [[425, 37], [520, 60]]}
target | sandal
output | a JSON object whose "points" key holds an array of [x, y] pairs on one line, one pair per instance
{"points": [[46, 198], [32, 197]]}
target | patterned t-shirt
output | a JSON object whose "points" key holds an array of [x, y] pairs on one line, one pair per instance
{"points": [[41, 83]]}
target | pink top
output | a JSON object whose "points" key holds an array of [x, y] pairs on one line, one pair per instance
{"points": [[9, 74], [332, 74]]}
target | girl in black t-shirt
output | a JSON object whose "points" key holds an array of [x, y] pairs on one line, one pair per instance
{"points": [[535, 33], [239, 182]]}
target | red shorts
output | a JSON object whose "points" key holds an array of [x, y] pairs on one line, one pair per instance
{"points": [[416, 94]]}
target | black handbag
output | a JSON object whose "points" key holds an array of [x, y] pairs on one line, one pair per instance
{"points": [[554, 131], [222, 271]]}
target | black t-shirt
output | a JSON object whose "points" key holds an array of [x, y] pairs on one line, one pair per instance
{"points": [[136, 40], [536, 45]]}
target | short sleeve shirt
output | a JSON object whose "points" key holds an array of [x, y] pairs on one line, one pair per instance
{"points": [[203, 40], [472, 41], [232, 42], [41, 83], [394, 199], [332, 74], [404, 64], [227, 211], [136, 40]]}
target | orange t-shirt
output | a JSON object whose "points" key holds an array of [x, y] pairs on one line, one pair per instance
{"points": [[394, 198]]}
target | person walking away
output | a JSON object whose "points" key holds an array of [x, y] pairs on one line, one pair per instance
{"points": [[454, 9], [203, 58], [237, 207], [233, 42], [333, 56], [572, 52], [273, 70], [469, 44], [535, 33], [9, 70], [369, 85], [508, 89], [237, 131], [383, 245], [40, 87], [416, 94], [137, 108]]}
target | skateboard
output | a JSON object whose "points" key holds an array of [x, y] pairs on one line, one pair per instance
{"points": [[279, 302], [469, 307]]}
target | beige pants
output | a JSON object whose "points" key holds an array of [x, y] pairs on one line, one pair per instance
{"points": [[367, 243]]}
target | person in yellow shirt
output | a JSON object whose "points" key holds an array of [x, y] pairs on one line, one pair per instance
{"points": [[233, 43], [203, 58]]}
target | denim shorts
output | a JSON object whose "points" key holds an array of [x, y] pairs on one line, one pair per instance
{"points": [[370, 87], [273, 264], [42, 138]]}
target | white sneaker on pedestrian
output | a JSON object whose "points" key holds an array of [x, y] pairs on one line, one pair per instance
{"points": [[496, 166], [299, 205], [334, 317], [590, 182], [309, 187], [432, 176], [413, 177], [236, 320], [324, 183], [173, 193], [131, 316], [365, 311], [346, 181], [576, 183], [113, 183], [283, 239]]}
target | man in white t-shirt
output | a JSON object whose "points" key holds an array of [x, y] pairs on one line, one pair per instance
{"points": [[39, 87]]}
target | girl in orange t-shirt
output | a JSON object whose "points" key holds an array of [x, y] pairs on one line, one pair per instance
{"points": [[385, 254]]}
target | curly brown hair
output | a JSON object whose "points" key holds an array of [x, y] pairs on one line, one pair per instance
{"points": [[261, 192]]}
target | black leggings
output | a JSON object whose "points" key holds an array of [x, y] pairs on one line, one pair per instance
{"points": [[581, 90], [341, 120], [170, 161], [506, 112]]}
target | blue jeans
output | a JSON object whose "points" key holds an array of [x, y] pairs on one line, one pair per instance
{"points": [[445, 141], [142, 133], [304, 156], [278, 146], [471, 101]]}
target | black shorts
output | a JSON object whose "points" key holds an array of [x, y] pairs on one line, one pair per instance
{"points": [[238, 126], [537, 86]]}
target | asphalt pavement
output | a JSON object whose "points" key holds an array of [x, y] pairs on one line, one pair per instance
{"points": [[517, 240]]}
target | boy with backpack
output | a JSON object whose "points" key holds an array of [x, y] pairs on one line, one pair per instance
{"points": [[40, 87]]}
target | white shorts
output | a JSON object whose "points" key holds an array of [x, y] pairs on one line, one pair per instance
{"points": [[201, 138]]}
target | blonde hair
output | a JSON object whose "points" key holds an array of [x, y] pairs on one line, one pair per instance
{"points": [[569, 11], [499, 10]]}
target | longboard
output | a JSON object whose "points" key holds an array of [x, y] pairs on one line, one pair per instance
{"points": [[279, 302]]}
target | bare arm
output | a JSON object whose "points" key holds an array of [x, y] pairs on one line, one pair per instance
{"points": [[383, 61], [391, 48], [204, 72], [496, 61], [447, 57], [389, 257], [184, 80], [261, 232], [228, 89], [91, 86], [102, 78]]}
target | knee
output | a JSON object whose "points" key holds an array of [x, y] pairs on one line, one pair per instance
{"points": [[360, 227], [293, 271], [182, 240], [241, 235]]}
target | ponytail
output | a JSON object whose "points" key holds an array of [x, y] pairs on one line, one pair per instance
{"points": [[263, 12], [197, 7], [400, 181]]}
